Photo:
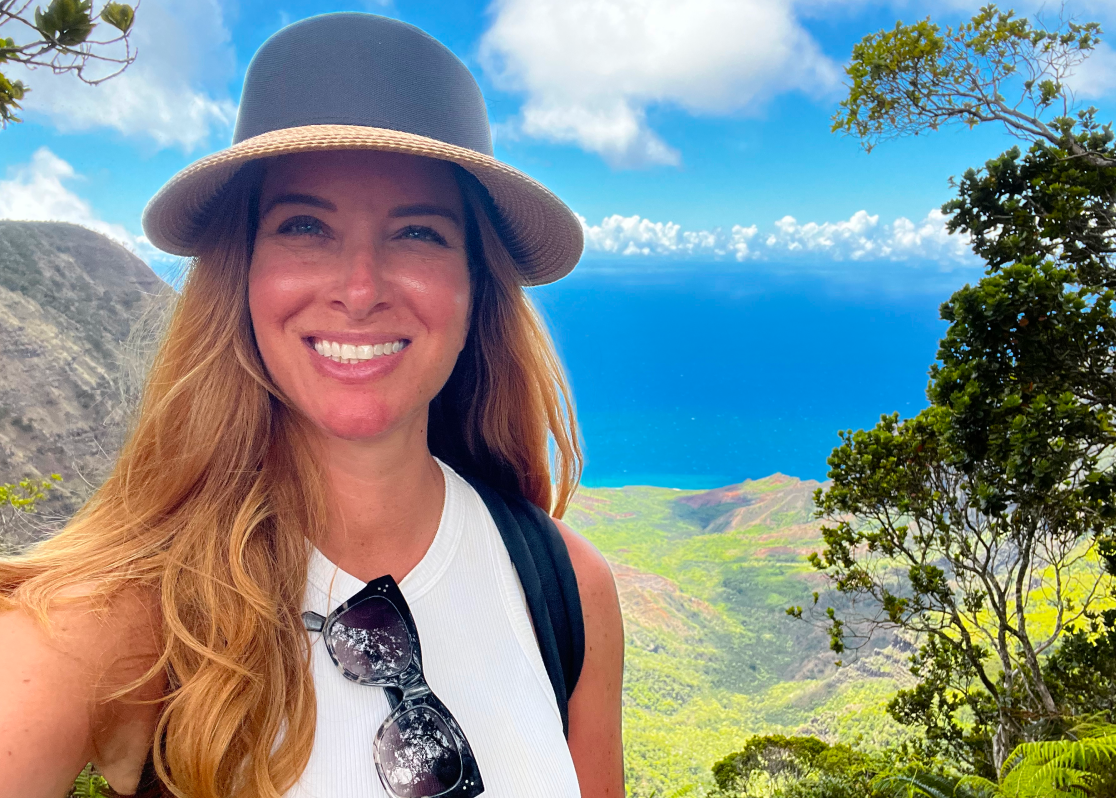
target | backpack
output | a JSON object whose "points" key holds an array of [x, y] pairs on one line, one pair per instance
{"points": [[539, 555]]}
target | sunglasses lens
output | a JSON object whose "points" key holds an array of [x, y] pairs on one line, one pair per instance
{"points": [[370, 640], [417, 755]]}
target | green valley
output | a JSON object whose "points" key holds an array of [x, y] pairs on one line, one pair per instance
{"points": [[705, 578]]}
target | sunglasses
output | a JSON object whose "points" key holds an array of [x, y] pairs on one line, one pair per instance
{"points": [[419, 750]]}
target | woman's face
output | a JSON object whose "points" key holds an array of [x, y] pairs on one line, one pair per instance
{"points": [[359, 286]]}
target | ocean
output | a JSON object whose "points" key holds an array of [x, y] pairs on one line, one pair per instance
{"points": [[703, 375]]}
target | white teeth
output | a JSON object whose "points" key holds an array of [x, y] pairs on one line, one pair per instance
{"points": [[351, 353]]}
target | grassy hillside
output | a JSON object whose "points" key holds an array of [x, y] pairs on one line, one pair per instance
{"points": [[704, 580]]}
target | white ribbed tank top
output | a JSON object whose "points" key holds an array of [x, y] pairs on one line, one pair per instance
{"points": [[479, 656]]}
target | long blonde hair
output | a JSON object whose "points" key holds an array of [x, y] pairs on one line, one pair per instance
{"points": [[216, 489]]}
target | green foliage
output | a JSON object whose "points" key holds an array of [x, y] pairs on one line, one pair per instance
{"points": [[919, 77], [62, 41], [927, 784], [775, 754], [942, 519], [955, 715], [1081, 766], [794, 767], [66, 23], [710, 656], [11, 91], [1071, 768], [1082, 672], [18, 500], [1045, 204], [119, 15], [982, 526], [22, 496], [90, 784]]}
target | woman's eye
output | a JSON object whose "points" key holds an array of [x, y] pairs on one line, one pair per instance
{"points": [[420, 233], [301, 226]]}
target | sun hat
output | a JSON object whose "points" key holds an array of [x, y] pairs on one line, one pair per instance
{"points": [[350, 81]]}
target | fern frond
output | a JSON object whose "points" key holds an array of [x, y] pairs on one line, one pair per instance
{"points": [[90, 784], [924, 784], [1060, 768]]}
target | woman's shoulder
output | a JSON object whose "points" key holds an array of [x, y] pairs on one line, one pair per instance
{"points": [[72, 674], [600, 603], [594, 577]]}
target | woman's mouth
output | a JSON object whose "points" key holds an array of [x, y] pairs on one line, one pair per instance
{"points": [[356, 353]]}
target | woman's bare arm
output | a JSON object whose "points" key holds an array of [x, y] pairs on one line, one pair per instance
{"points": [[595, 726], [54, 717]]}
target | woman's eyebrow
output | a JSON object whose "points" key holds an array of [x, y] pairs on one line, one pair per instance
{"points": [[424, 209], [298, 199]]}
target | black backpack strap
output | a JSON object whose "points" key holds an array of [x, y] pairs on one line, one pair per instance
{"points": [[539, 554]]}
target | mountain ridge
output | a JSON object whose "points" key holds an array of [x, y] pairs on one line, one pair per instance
{"points": [[72, 306]]}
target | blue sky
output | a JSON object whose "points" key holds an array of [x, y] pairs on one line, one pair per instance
{"points": [[677, 130], [751, 284]]}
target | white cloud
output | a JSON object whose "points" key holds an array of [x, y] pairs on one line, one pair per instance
{"points": [[37, 192], [947, 10], [1096, 77], [860, 238], [175, 93], [633, 235], [590, 69]]}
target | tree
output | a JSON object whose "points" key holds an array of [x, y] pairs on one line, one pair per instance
{"points": [[1044, 203], [794, 767], [982, 526], [61, 39], [917, 78], [1082, 672], [17, 501]]}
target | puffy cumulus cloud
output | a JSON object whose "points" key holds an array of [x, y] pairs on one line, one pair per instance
{"points": [[176, 92], [589, 69], [860, 238], [37, 192], [633, 235]]}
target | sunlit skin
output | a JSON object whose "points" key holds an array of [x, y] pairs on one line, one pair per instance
{"points": [[364, 248], [360, 247]]}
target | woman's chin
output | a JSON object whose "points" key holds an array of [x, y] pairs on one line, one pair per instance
{"points": [[357, 426]]}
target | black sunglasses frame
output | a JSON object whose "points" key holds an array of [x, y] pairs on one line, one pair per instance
{"points": [[407, 690]]}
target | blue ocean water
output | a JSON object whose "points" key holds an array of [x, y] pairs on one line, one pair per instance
{"points": [[708, 374]]}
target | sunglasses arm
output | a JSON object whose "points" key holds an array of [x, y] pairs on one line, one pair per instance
{"points": [[313, 621]]}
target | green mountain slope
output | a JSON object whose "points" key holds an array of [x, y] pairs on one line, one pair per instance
{"points": [[712, 658]]}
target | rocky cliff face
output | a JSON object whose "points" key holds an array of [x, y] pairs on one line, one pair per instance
{"points": [[77, 316]]}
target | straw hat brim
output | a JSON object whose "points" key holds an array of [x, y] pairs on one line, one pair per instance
{"points": [[547, 235]]}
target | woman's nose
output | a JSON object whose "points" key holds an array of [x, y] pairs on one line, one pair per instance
{"points": [[363, 288]]}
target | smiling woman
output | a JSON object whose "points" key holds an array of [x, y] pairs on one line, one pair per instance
{"points": [[358, 250], [323, 563]]}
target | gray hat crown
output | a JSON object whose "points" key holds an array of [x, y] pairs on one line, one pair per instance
{"points": [[362, 69]]}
